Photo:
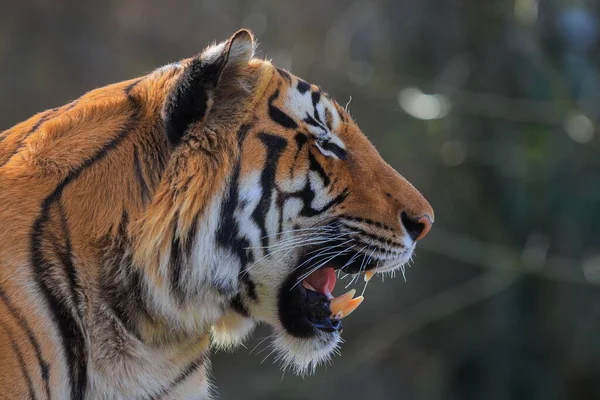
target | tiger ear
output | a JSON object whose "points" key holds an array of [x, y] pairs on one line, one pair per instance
{"points": [[192, 96]]}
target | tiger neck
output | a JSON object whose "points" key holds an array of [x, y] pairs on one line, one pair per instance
{"points": [[173, 244]]}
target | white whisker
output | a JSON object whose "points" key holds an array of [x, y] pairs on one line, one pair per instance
{"points": [[261, 342], [321, 251], [320, 265], [295, 245], [312, 228]]}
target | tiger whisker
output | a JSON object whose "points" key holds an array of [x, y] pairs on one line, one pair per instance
{"points": [[312, 228], [313, 269], [358, 254], [292, 246], [285, 241], [364, 263], [325, 238], [288, 248], [261, 342], [321, 252]]}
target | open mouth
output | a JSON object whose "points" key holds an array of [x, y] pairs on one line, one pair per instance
{"points": [[306, 303]]}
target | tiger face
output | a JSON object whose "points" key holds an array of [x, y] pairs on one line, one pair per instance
{"points": [[309, 196]]}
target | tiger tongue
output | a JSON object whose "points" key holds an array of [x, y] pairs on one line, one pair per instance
{"points": [[322, 281]]}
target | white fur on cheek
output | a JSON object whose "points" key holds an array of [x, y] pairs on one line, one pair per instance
{"points": [[303, 356], [321, 195], [209, 267]]}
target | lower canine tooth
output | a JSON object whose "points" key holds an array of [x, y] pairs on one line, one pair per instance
{"points": [[308, 286], [352, 305]]}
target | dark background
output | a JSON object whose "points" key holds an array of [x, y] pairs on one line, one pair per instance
{"points": [[489, 107]]}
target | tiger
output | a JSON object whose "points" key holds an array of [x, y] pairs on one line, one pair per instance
{"points": [[151, 221]]}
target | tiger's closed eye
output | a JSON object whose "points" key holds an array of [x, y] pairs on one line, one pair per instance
{"points": [[331, 147]]}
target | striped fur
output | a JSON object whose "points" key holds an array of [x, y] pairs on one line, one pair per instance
{"points": [[142, 221]]}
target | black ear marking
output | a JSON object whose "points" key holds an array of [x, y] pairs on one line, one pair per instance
{"points": [[191, 98], [187, 103]]}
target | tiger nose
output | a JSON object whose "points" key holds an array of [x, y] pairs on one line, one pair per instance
{"points": [[417, 228]]}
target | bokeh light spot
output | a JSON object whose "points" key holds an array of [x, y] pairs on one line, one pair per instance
{"points": [[423, 106], [579, 127], [591, 268]]}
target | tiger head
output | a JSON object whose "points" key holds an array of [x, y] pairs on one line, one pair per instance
{"points": [[271, 189]]}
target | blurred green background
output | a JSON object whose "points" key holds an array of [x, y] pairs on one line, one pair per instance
{"points": [[489, 107]]}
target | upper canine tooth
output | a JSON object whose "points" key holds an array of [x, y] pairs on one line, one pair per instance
{"points": [[337, 304], [352, 305], [369, 274], [308, 286]]}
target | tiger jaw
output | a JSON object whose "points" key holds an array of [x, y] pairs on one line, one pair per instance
{"points": [[308, 324], [306, 304]]}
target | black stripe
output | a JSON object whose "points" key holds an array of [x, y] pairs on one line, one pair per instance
{"points": [[301, 140], [35, 127], [274, 146], [139, 174], [122, 283], [181, 252], [187, 371], [123, 290], [242, 134], [367, 221], [125, 294], [311, 121], [20, 360], [380, 249], [228, 233], [378, 238], [128, 91], [238, 306], [285, 75], [44, 118], [72, 335], [303, 86], [316, 97], [191, 237], [44, 367], [177, 263], [334, 202], [50, 114], [314, 165], [307, 195], [66, 258], [279, 116], [280, 202], [335, 149]]}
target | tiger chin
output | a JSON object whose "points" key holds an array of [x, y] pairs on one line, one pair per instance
{"points": [[149, 219]]}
